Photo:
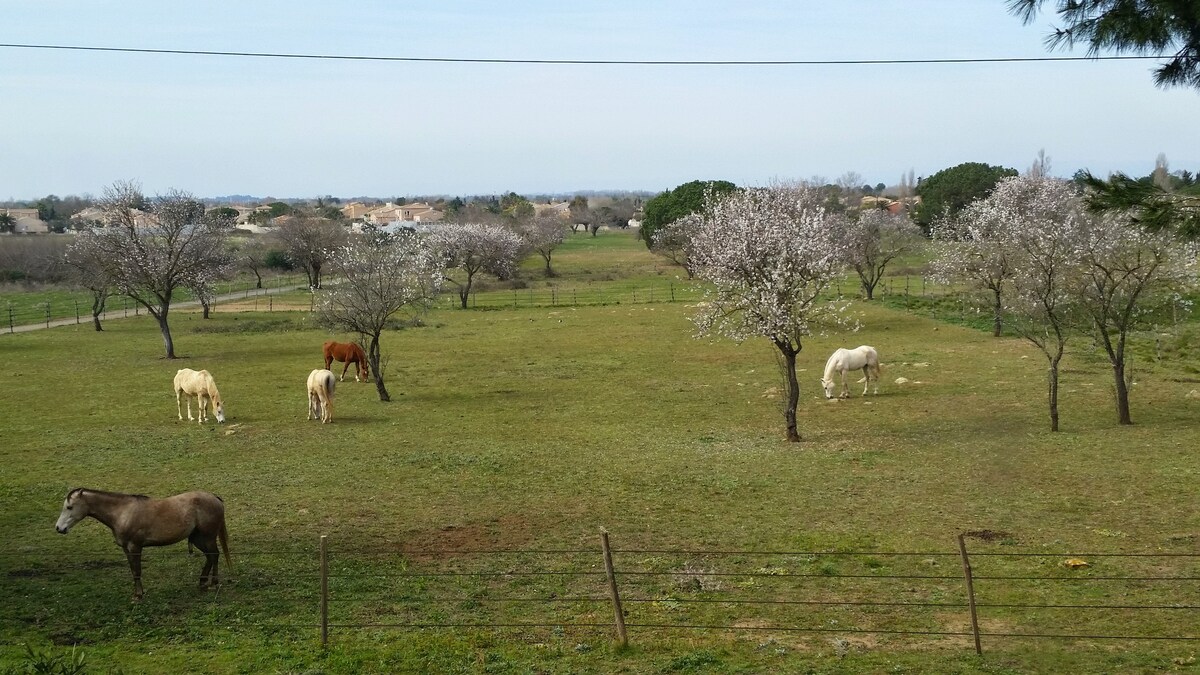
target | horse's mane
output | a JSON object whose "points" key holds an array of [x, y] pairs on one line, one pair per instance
{"points": [[212, 387], [104, 493], [831, 364]]}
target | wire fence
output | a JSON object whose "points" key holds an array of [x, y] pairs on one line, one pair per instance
{"points": [[54, 307], [969, 598]]}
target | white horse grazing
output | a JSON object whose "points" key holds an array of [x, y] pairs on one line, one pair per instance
{"points": [[321, 384], [198, 384], [844, 360]]}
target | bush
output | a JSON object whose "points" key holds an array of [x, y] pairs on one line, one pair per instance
{"points": [[278, 260]]}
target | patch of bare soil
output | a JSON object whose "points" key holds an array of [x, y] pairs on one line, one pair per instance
{"points": [[988, 535], [506, 533]]}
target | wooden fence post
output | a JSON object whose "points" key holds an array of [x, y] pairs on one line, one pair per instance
{"points": [[77, 312], [324, 591], [962, 549], [10, 319], [618, 613]]}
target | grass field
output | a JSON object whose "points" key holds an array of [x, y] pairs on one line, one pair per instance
{"points": [[532, 428]]}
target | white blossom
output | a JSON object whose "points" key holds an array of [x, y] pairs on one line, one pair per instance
{"points": [[769, 253], [475, 248], [380, 276]]}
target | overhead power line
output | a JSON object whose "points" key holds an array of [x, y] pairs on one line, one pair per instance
{"points": [[584, 62]]}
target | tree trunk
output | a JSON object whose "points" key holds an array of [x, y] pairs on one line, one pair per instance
{"points": [[869, 289], [316, 275], [161, 316], [204, 304], [258, 276], [1122, 391], [98, 301], [997, 309], [793, 389], [1054, 390], [373, 358], [1116, 356], [549, 271], [463, 293]]}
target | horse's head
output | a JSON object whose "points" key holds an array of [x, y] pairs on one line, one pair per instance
{"points": [[74, 510], [219, 410], [829, 386]]}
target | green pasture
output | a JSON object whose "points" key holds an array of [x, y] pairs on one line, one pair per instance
{"points": [[530, 429]]}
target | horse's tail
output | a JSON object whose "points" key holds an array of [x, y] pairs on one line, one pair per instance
{"points": [[330, 384], [223, 534]]}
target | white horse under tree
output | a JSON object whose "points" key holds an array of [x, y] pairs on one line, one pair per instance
{"points": [[198, 384], [846, 360]]}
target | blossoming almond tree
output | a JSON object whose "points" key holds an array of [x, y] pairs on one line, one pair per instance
{"points": [[973, 251], [769, 253], [1042, 226], [542, 234], [152, 248], [873, 240], [475, 248], [380, 276], [1128, 270]]}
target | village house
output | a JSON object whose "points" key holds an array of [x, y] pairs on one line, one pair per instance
{"points": [[417, 212], [27, 221], [356, 210]]}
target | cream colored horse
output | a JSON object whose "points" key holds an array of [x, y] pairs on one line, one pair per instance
{"points": [[321, 384], [844, 360], [137, 521], [198, 384]]}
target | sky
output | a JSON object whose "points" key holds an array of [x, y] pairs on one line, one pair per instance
{"points": [[73, 122]]}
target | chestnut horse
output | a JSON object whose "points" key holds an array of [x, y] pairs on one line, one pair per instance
{"points": [[347, 352], [138, 520]]}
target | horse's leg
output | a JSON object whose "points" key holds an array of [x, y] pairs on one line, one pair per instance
{"points": [[207, 546], [312, 404], [133, 553], [344, 367], [867, 380], [326, 408], [178, 403]]}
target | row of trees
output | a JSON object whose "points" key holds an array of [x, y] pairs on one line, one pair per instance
{"points": [[151, 248], [1053, 263], [1055, 268]]}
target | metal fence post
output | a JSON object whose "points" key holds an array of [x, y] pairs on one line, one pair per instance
{"points": [[618, 613], [48, 316], [962, 549], [324, 591]]}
